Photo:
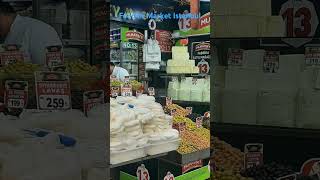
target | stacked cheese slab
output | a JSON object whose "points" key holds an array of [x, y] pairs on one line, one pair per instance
{"points": [[246, 18], [180, 62]]}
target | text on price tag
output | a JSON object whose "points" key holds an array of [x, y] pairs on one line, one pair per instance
{"points": [[204, 67], [11, 54], [143, 173], [235, 57], [169, 176], [199, 121], [253, 155], [54, 56], [53, 90], [189, 110], [16, 94], [312, 56], [92, 99], [139, 93], [271, 62], [126, 90]]}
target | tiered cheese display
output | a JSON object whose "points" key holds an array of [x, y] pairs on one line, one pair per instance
{"points": [[139, 127], [180, 62], [246, 18], [190, 89]]}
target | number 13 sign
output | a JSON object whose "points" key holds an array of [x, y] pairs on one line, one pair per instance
{"points": [[169, 176], [143, 173]]}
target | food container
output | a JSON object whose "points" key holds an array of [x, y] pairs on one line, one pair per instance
{"points": [[127, 155], [162, 147]]}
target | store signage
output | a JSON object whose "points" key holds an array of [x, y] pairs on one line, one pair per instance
{"points": [[135, 35], [169, 176], [253, 155], [168, 101], [16, 94], [115, 91], [311, 168], [151, 91], [164, 39], [289, 177], [189, 109], [11, 54], [312, 56], [204, 67], [271, 62], [54, 56], [92, 99], [53, 90], [129, 45], [204, 20], [235, 57], [139, 93], [201, 50], [126, 90], [143, 173], [199, 121], [191, 166], [126, 79]]}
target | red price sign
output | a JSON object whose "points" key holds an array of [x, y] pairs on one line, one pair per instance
{"points": [[189, 109], [312, 56], [11, 55], [169, 176], [16, 94], [143, 173], [54, 56], [204, 67], [199, 121], [168, 101], [91, 99], [126, 90], [235, 57], [253, 155]]}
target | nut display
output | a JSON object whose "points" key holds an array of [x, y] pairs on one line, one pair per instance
{"points": [[180, 111], [20, 67], [79, 66], [228, 175]]}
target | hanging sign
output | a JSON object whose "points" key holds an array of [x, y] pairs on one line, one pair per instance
{"points": [[54, 56], [164, 39], [253, 155], [91, 99], [271, 62]]}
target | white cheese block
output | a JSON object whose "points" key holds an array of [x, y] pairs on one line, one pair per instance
{"points": [[179, 49], [280, 81], [182, 56], [291, 63]]}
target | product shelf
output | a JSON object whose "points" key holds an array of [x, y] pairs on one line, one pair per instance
{"points": [[138, 160]]}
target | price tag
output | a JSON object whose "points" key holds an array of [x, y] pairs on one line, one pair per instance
{"points": [[16, 94], [11, 54], [168, 101], [207, 114], [312, 56], [139, 92], [194, 80], [235, 57], [189, 109], [199, 121], [126, 90], [182, 127], [271, 62], [173, 112], [253, 155], [204, 67], [289, 177], [126, 79], [53, 91], [142, 173], [54, 56], [311, 168], [92, 99], [169, 176], [113, 78], [174, 78], [151, 91], [115, 91]]}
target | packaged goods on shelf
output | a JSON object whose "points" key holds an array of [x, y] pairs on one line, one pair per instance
{"points": [[239, 106], [308, 78], [276, 108], [291, 63], [280, 81], [219, 75], [180, 62], [242, 79], [308, 109], [253, 59]]}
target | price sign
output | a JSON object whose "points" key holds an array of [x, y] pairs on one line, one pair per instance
{"points": [[169, 176], [189, 109], [235, 57], [16, 94], [207, 114], [168, 101], [115, 91], [139, 92], [53, 90], [174, 78], [204, 67], [312, 56], [127, 79], [289, 177], [194, 80], [199, 121], [11, 54], [253, 155], [173, 112], [182, 127], [311, 168], [113, 78], [142, 173], [126, 90], [91, 99], [54, 56], [151, 91], [271, 62]]}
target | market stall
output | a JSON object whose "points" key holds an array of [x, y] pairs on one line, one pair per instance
{"points": [[166, 86], [265, 81]]}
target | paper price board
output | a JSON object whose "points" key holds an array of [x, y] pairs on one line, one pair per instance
{"points": [[173, 112], [151, 91], [127, 79], [143, 173], [53, 90], [253, 155], [139, 92], [289, 177], [169, 176], [54, 56], [16, 94], [168, 101], [189, 109], [235, 57], [11, 54], [312, 56], [311, 168], [126, 90], [271, 62], [92, 99], [181, 127], [199, 121], [113, 78], [115, 91], [204, 67]]}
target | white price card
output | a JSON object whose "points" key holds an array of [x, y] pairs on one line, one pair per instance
{"points": [[126, 90], [151, 91], [54, 56], [143, 173], [169, 176], [199, 121], [235, 57], [312, 56], [11, 54], [53, 90], [16, 94], [271, 62], [253, 155], [92, 99], [168, 101], [204, 67], [189, 109]]}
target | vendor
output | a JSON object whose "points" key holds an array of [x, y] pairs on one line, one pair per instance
{"points": [[33, 36], [119, 72]]}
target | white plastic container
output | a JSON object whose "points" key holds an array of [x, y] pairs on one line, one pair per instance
{"points": [[127, 155], [308, 111], [162, 147]]}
